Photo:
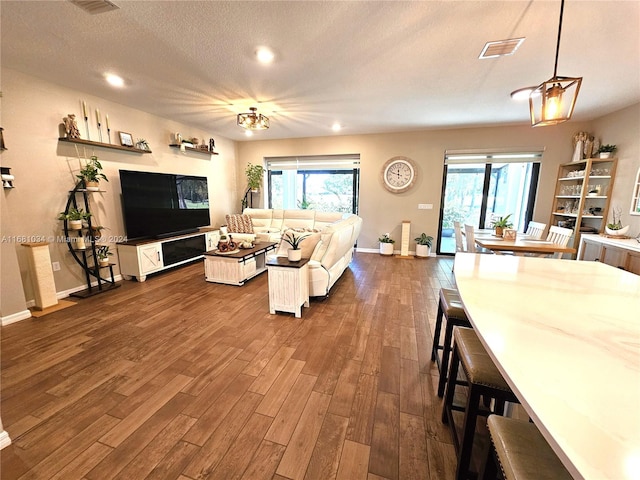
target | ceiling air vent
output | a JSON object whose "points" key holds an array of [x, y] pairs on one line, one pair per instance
{"points": [[95, 7], [501, 48]]}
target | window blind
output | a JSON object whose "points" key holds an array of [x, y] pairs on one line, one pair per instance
{"points": [[314, 162], [453, 157]]}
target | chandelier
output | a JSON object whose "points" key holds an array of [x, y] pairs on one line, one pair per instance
{"points": [[253, 120], [552, 102]]}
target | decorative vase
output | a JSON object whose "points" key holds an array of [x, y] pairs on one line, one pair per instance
{"points": [[617, 233], [91, 186], [605, 154], [423, 250], [499, 231], [294, 255], [386, 248], [103, 262]]}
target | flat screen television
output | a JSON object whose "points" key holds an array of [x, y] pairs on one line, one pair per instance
{"points": [[160, 205]]}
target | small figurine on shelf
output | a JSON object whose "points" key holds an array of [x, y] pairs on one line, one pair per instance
{"points": [[203, 146], [212, 145], [70, 126]]}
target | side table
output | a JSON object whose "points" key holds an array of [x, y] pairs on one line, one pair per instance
{"points": [[288, 285]]}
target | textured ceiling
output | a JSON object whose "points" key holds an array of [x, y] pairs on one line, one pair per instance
{"points": [[371, 66]]}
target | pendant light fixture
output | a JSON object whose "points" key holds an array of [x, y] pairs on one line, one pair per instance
{"points": [[253, 120], [552, 102]]}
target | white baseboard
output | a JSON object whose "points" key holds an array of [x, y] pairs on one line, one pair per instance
{"points": [[15, 317], [5, 441]]}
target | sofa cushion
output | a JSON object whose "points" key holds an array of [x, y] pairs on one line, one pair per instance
{"points": [[260, 218], [239, 224], [324, 219], [299, 218]]}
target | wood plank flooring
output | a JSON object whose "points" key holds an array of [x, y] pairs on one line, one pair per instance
{"points": [[177, 378]]}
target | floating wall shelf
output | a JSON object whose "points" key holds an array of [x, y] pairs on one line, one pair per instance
{"points": [[193, 149], [103, 145]]}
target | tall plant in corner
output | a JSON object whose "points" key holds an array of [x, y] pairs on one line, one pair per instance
{"points": [[255, 174]]}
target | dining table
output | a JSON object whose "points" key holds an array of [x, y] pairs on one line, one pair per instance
{"points": [[521, 245], [565, 335]]}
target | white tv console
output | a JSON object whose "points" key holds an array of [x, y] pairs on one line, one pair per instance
{"points": [[138, 258]]}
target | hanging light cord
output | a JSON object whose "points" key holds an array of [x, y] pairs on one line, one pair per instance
{"points": [[555, 67]]}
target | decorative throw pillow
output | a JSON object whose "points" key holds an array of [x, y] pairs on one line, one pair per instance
{"points": [[239, 223]]}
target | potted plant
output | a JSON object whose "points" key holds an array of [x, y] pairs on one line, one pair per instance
{"points": [[615, 228], [255, 174], [386, 244], [102, 254], [294, 239], [74, 217], [91, 174], [501, 224], [96, 232], [606, 150], [423, 245], [142, 144]]}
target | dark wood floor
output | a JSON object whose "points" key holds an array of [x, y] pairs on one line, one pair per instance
{"points": [[177, 378]]}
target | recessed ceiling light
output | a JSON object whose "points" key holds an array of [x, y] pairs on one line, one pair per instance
{"points": [[264, 55], [248, 133], [336, 127], [114, 80]]}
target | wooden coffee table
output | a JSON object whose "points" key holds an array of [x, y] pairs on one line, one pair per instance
{"points": [[235, 268]]}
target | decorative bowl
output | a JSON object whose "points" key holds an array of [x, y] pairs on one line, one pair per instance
{"points": [[617, 233]]}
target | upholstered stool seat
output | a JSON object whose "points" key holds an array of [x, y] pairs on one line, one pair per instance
{"points": [[450, 309], [484, 382], [522, 452]]}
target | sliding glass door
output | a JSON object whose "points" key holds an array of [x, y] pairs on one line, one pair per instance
{"points": [[475, 193]]}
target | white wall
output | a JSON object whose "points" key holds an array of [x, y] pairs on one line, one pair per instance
{"points": [[383, 211], [45, 169]]}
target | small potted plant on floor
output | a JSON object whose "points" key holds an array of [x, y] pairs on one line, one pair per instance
{"points": [[74, 217], [500, 224], [294, 239], [91, 173], [386, 244], [423, 245], [102, 254], [615, 228], [606, 150]]}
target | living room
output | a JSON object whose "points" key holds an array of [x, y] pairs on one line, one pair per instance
{"points": [[34, 107]]}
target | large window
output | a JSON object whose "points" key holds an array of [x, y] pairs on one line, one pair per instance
{"points": [[479, 187], [324, 183]]}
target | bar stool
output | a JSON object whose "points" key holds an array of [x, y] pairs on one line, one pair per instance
{"points": [[521, 451], [484, 383], [449, 308]]}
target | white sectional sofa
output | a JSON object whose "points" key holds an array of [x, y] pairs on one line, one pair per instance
{"points": [[329, 246]]}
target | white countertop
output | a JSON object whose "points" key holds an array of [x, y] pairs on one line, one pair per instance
{"points": [[627, 243], [566, 336]]}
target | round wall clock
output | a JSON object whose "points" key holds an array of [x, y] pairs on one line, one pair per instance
{"points": [[399, 174]]}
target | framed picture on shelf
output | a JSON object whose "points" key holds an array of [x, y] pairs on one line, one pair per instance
{"points": [[126, 140]]}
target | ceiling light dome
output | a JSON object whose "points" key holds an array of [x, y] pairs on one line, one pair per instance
{"points": [[265, 55]]}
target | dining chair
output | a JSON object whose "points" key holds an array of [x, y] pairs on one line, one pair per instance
{"points": [[470, 237], [559, 235], [535, 230]]}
